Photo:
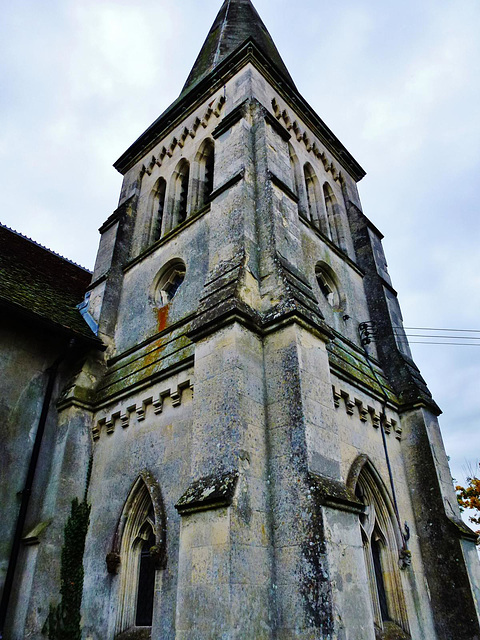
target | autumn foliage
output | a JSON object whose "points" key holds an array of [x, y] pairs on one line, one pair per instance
{"points": [[469, 498]]}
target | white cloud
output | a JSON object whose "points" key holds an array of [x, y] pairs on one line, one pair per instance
{"points": [[398, 82]]}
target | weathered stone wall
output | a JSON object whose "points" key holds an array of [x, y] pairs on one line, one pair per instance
{"points": [[28, 351], [265, 540], [155, 441]]}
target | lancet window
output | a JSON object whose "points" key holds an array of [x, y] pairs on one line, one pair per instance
{"points": [[334, 214], [137, 554], [157, 207], [315, 207], [204, 173], [296, 176], [180, 185], [381, 545]]}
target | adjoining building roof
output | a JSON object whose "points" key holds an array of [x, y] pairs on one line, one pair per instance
{"points": [[38, 282], [236, 22]]}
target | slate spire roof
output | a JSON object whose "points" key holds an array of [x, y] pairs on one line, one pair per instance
{"points": [[236, 22]]}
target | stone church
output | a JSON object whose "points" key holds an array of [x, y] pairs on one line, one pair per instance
{"points": [[234, 404]]}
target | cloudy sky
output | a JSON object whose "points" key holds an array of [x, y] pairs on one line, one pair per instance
{"points": [[397, 81]]}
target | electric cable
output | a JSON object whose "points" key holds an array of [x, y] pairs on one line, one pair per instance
{"points": [[421, 335], [450, 344], [366, 332], [433, 329]]}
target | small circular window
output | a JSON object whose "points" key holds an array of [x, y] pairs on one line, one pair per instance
{"points": [[169, 282], [326, 280]]}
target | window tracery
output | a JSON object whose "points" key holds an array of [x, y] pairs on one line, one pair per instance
{"points": [[381, 546], [169, 281], [139, 549], [328, 284]]}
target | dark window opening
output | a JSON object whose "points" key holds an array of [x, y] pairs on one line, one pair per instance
{"points": [[146, 585], [169, 284], [158, 208], [208, 185], [173, 286], [325, 288], [182, 205], [382, 594]]}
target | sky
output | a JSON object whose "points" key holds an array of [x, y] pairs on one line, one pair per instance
{"points": [[397, 82]]}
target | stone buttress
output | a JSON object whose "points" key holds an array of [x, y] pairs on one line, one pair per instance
{"points": [[246, 439]]}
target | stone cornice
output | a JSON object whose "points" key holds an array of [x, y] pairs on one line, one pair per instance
{"points": [[184, 106]]}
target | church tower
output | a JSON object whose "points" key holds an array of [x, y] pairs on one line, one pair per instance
{"points": [[266, 461]]}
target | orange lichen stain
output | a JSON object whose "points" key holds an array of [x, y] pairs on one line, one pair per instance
{"points": [[162, 317], [264, 534], [152, 356]]}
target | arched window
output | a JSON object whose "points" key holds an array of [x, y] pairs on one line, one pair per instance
{"points": [[204, 173], [168, 282], [139, 549], [180, 182], [156, 208], [328, 284], [314, 199], [295, 169], [334, 216], [382, 543]]}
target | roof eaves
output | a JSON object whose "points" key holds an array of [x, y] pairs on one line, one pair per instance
{"points": [[56, 327]]}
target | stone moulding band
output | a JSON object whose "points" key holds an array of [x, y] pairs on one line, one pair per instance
{"points": [[168, 236], [230, 119], [331, 245], [276, 126], [302, 136], [212, 492], [139, 410], [366, 413], [283, 187], [228, 184]]}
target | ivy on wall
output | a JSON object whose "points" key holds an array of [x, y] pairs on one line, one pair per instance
{"points": [[63, 622]]}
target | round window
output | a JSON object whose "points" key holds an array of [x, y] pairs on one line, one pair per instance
{"points": [[169, 282], [326, 280]]}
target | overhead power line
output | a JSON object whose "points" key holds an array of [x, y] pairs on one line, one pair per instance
{"points": [[433, 329], [448, 344], [423, 335], [434, 338]]}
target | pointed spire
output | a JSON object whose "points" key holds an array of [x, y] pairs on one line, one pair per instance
{"points": [[236, 22]]}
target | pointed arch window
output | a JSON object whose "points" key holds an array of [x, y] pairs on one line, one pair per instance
{"points": [[314, 199], [334, 216], [181, 180], [204, 173], [295, 170], [381, 545], [157, 206], [138, 551]]}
